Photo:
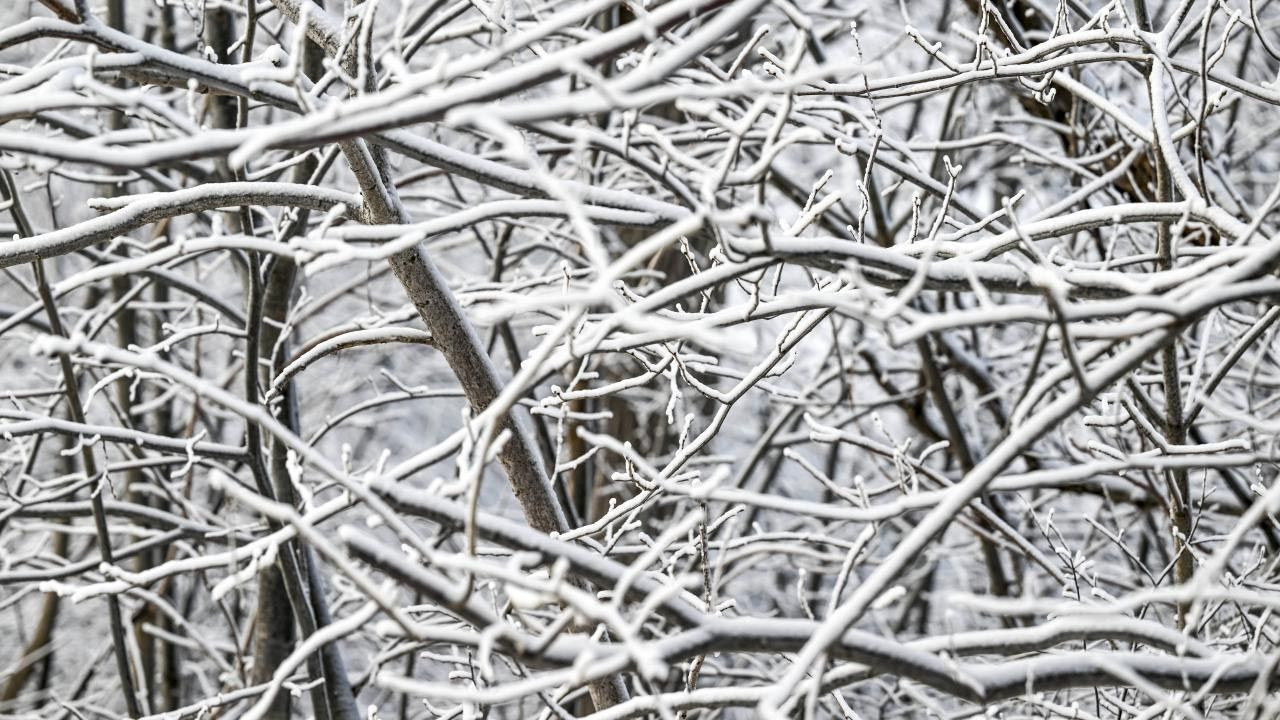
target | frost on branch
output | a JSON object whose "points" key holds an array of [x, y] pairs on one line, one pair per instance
{"points": [[621, 359]]}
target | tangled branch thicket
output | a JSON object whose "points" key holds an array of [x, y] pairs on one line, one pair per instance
{"points": [[611, 358]]}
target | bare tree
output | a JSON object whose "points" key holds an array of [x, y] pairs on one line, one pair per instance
{"points": [[610, 358]]}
